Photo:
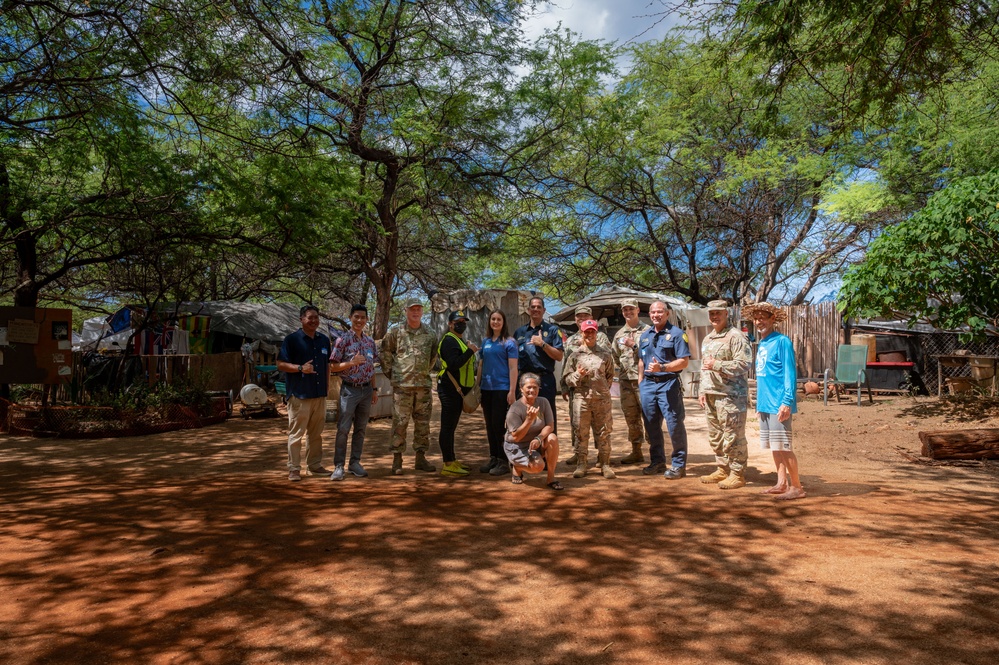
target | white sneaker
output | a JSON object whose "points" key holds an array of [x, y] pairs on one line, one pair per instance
{"points": [[356, 469], [337, 473]]}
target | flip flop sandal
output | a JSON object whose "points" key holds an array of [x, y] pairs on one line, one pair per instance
{"points": [[517, 480], [556, 485]]}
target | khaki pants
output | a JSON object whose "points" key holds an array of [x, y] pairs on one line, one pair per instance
{"points": [[727, 430], [306, 420], [631, 405]]}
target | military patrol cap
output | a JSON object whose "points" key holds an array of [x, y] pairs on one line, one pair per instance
{"points": [[457, 315], [584, 309], [629, 302], [588, 324], [718, 306], [413, 302]]}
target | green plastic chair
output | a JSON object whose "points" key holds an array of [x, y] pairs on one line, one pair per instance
{"points": [[851, 370]]}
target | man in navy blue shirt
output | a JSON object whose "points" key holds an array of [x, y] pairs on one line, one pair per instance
{"points": [[540, 347], [662, 354], [305, 357]]}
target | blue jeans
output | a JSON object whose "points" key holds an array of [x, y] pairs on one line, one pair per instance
{"points": [[355, 409], [664, 400]]}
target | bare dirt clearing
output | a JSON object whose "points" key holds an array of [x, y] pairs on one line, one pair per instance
{"points": [[192, 547]]}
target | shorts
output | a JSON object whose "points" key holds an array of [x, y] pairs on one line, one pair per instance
{"points": [[516, 453], [774, 435]]}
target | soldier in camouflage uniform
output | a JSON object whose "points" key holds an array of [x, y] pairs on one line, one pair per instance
{"points": [[725, 360], [408, 352], [572, 344], [625, 352], [590, 372]]}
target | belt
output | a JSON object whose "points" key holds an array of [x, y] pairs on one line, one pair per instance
{"points": [[355, 385], [661, 379]]}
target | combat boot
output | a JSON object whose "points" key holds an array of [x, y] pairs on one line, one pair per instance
{"points": [[735, 480], [397, 464], [603, 462], [720, 474], [636, 456], [573, 460], [421, 463], [580, 471]]}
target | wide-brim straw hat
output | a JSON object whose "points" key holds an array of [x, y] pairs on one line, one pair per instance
{"points": [[779, 314]]}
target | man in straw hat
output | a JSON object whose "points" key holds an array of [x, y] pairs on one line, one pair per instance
{"points": [[776, 385], [725, 360]]}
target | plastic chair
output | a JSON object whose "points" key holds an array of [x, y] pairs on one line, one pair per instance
{"points": [[851, 370]]}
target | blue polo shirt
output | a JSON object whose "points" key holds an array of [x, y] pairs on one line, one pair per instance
{"points": [[666, 345], [298, 349], [495, 362]]}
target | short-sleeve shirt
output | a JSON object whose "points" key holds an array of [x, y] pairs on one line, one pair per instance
{"points": [[298, 349], [496, 355], [533, 358], [346, 347], [666, 345], [517, 414], [776, 375]]}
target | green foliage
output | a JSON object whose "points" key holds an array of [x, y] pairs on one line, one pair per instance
{"points": [[940, 266]]}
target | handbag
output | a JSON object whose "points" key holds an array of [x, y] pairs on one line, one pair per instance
{"points": [[470, 401]]}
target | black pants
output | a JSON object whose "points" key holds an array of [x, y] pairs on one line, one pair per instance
{"points": [[451, 401], [494, 409]]}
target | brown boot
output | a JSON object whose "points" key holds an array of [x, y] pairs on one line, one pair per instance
{"points": [[580, 471], [572, 461], [397, 464], [635, 457], [720, 474], [735, 480], [603, 463], [421, 463]]}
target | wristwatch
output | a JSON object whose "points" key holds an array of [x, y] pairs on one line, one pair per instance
{"points": [[300, 369]]}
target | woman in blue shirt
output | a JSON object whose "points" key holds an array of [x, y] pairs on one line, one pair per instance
{"points": [[499, 389]]}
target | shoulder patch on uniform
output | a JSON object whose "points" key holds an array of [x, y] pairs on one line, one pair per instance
{"points": [[685, 338]]}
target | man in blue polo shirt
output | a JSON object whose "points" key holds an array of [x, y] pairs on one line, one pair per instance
{"points": [[305, 357], [662, 354], [539, 345]]}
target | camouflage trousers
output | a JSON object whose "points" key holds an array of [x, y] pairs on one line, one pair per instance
{"points": [[592, 412], [631, 406], [727, 430], [411, 404]]}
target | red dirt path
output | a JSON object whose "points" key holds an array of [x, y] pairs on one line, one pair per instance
{"points": [[192, 547]]}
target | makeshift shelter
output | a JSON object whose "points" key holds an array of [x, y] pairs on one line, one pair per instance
{"points": [[478, 305]]}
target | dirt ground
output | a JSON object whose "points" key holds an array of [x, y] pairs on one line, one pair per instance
{"points": [[193, 547]]}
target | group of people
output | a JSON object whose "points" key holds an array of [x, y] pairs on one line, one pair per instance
{"points": [[518, 392]]}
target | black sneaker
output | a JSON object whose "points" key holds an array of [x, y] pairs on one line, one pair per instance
{"points": [[675, 472], [654, 468], [490, 465]]}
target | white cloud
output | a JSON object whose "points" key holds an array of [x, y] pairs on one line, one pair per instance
{"points": [[608, 20]]}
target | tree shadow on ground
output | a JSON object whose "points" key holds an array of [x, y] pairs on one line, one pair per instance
{"points": [[192, 547]]}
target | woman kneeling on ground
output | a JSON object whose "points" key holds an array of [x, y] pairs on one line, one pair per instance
{"points": [[529, 429]]}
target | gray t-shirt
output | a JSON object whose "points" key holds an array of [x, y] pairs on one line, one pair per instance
{"points": [[517, 414]]}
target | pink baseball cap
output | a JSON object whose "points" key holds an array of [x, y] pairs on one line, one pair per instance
{"points": [[588, 324]]}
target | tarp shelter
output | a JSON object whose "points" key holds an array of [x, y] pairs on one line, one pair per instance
{"points": [[223, 325], [478, 305]]}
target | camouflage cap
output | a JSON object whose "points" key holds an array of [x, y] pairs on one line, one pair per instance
{"points": [[718, 306], [629, 302], [584, 309], [413, 302]]}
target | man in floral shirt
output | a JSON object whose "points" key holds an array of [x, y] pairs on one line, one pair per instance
{"points": [[353, 358]]}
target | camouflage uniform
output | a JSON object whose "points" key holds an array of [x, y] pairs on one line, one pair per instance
{"points": [[626, 359], [572, 345], [591, 400], [726, 391], [407, 357]]}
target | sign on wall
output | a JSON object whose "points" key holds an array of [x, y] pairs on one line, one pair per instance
{"points": [[36, 345]]}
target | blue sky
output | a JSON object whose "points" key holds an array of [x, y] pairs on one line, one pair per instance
{"points": [[609, 20]]}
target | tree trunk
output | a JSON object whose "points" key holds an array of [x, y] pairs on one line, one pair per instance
{"points": [[961, 444]]}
